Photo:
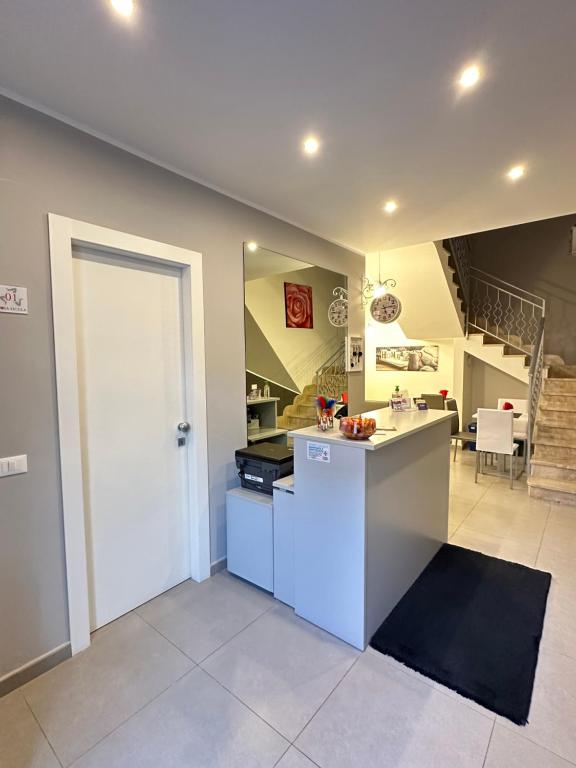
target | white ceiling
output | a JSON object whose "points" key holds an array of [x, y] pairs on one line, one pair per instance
{"points": [[224, 90]]}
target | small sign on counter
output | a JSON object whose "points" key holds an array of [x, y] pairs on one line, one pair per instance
{"points": [[318, 452]]}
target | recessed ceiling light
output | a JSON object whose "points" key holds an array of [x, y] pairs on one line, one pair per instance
{"points": [[252, 246], [516, 172], [390, 206], [469, 76], [311, 145], [123, 7]]}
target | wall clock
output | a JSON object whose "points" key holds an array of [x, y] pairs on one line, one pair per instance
{"points": [[338, 310], [386, 309]]}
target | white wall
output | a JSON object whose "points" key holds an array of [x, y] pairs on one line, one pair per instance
{"points": [[297, 348], [428, 302], [380, 384]]}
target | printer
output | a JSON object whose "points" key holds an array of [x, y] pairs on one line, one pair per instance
{"points": [[261, 464]]}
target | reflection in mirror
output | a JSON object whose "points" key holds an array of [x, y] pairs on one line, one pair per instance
{"points": [[295, 326]]}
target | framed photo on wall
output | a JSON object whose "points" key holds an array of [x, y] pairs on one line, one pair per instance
{"points": [[421, 358], [298, 304], [354, 354]]}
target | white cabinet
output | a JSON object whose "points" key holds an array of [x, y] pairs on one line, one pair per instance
{"points": [[249, 525], [284, 540], [260, 532]]}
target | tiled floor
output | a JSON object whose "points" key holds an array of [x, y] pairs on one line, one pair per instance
{"points": [[219, 675]]}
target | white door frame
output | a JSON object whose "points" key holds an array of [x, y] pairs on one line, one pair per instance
{"points": [[66, 233]]}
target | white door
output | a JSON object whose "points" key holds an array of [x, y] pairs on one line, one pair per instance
{"points": [[131, 388]]}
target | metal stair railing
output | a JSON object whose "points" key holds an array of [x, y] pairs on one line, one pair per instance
{"points": [[535, 378], [303, 367], [459, 247], [504, 312], [330, 377]]}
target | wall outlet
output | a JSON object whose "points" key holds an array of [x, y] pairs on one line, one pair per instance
{"points": [[13, 465]]}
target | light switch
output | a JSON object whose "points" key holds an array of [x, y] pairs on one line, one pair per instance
{"points": [[13, 465]]}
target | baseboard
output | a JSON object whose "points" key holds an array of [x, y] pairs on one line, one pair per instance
{"points": [[42, 664], [219, 565], [33, 668]]}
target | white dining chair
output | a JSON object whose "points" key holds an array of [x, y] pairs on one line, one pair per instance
{"points": [[495, 435]]}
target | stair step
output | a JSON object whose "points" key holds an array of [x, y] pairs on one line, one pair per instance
{"points": [[559, 386], [560, 419], [566, 402], [556, 454], [562, 436], [305, 400], [553, 472], [559, 464], [559, 491], [562, 371], [304, 411]]}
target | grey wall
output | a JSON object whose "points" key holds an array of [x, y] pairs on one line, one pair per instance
{"points": [[538, 258], [484, 384], [261, 357], [46, 166]]}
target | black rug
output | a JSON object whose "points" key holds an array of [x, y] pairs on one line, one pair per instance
{"points": [[472, 623]]}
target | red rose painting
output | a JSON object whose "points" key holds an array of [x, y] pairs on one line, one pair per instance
{"points": [[298, 300]]}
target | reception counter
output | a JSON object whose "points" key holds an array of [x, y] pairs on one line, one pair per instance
{"points": [[368, 518]]}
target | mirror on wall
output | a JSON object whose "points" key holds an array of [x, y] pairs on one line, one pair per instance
{"points": [[295, 331]]}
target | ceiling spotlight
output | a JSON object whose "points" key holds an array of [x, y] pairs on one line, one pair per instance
{"points": [[516, 172], [469, 76], [123, 7], [311, 145], [252, 246], [390, 206]]}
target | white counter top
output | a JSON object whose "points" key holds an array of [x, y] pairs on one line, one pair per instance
{"points": [[284, 483], [405, 422]]}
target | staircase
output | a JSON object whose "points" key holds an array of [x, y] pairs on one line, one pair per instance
{"points": [[508, 359], [553, 466], [302, 412], [330, 380]]}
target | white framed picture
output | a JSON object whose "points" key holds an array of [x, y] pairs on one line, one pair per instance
{"points": [[354, 354]]}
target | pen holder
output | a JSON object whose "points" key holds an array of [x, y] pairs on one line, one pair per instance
{"points": [[324, 419]]}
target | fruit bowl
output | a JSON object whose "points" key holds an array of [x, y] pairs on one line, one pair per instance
{"points": [[357, 428]]}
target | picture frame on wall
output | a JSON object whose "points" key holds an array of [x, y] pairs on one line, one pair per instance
{"points": [[354, 354], [298, 306], [421, 358]]}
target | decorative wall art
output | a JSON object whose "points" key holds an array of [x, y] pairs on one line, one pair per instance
{"points": [[298, 302], [354, 354], [418, 359]]}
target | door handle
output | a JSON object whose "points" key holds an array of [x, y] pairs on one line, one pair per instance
{"points": [[184, 427]]}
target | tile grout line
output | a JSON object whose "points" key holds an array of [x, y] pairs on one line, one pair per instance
{"points": [[43, 731], [512, 728], [344, 676], [127, 719], [543, 532], [235, 635], [194, 662], [488, 745], [443, 689], [472, 508], [248, 707], [292, 746]]}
